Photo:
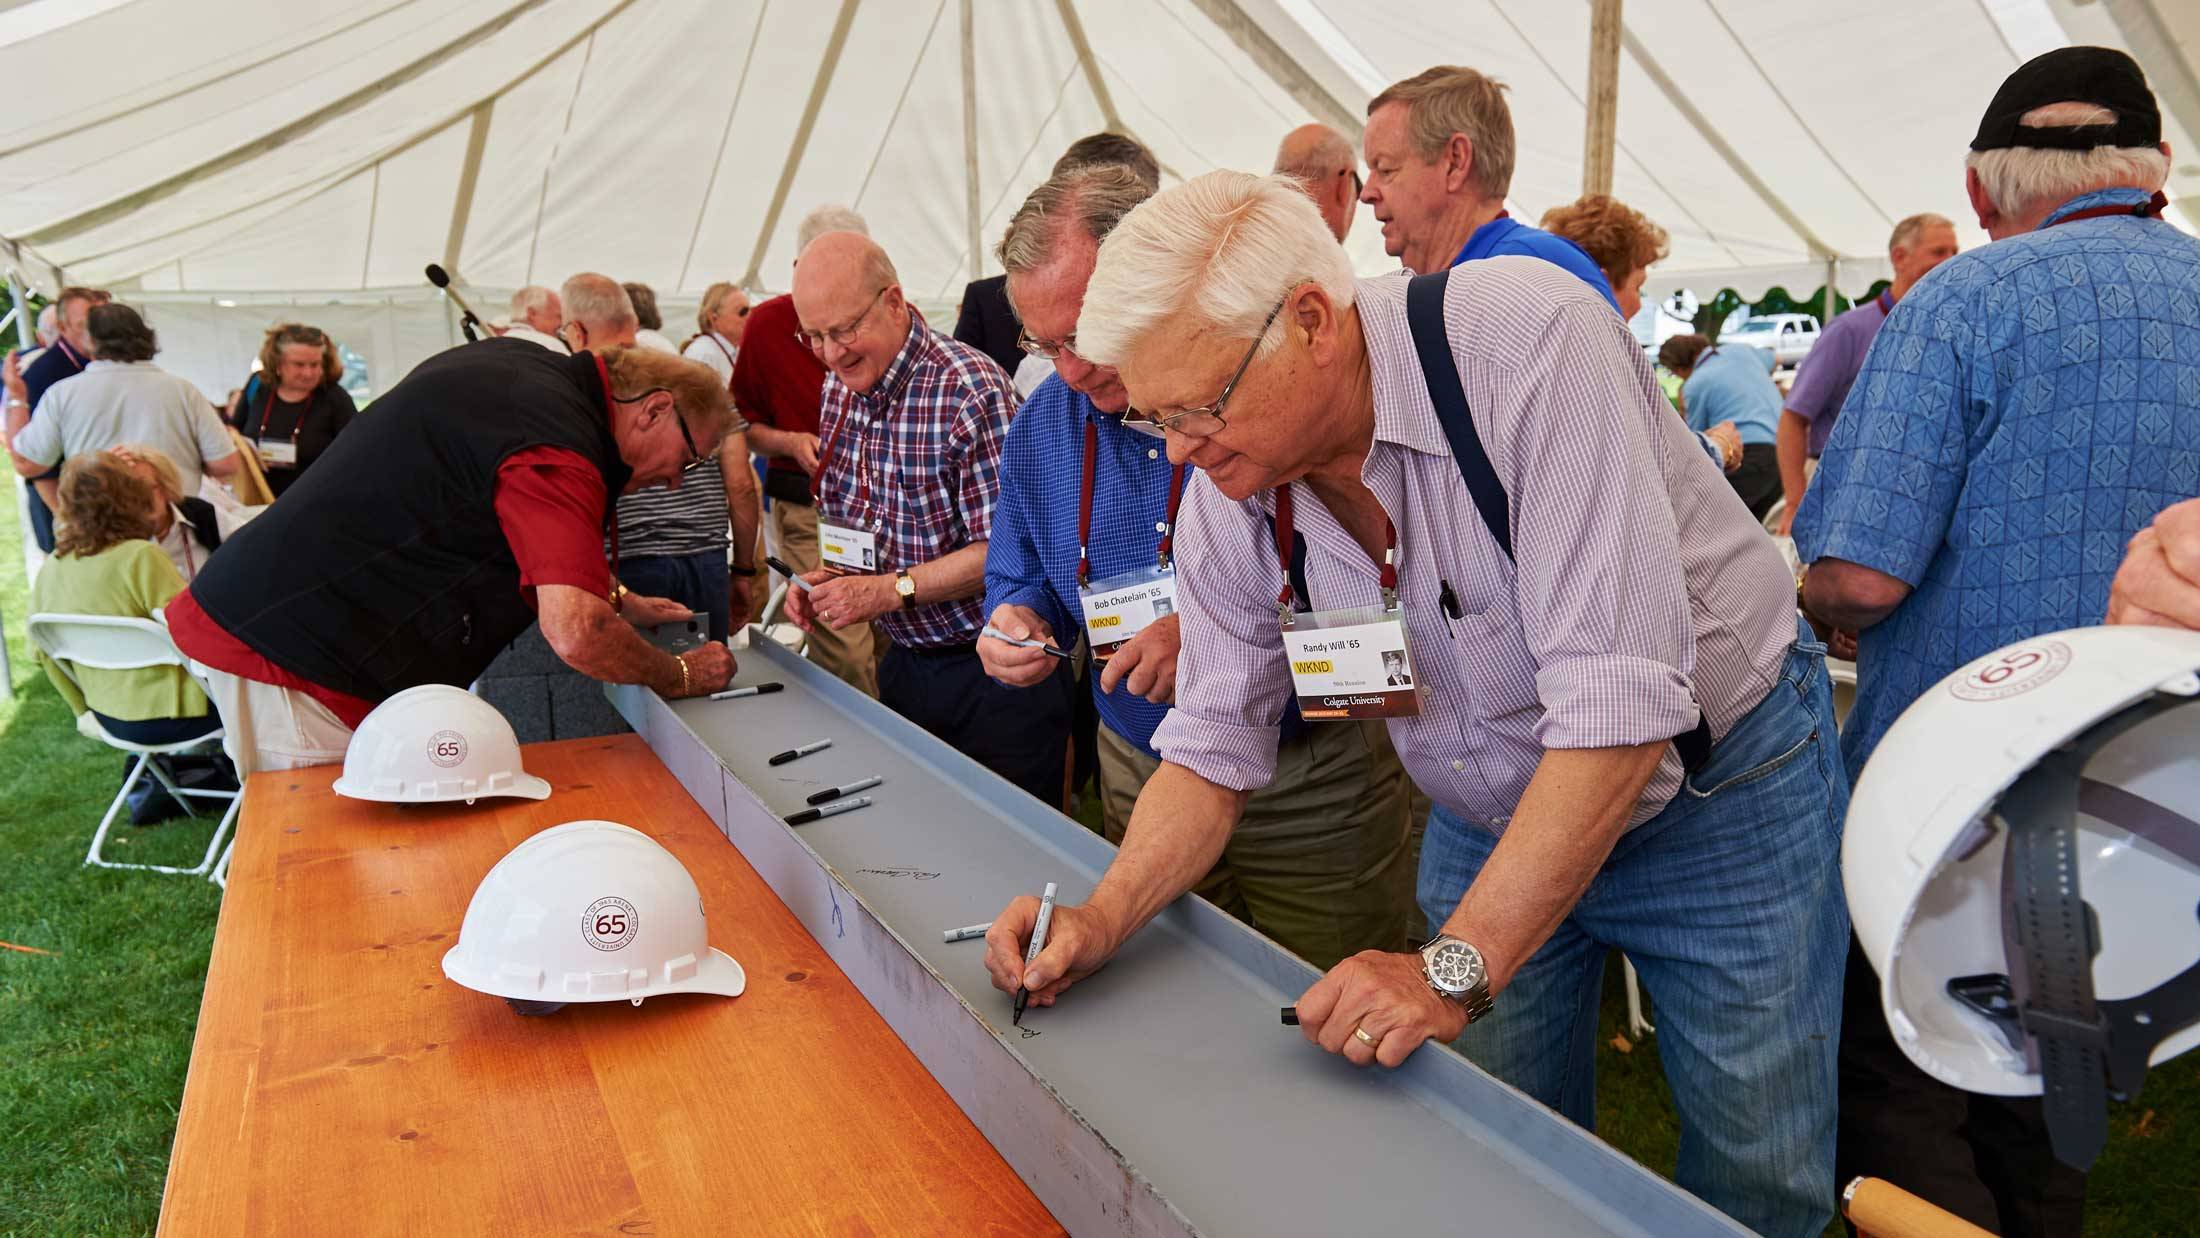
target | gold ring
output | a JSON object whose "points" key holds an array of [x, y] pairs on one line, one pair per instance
{"points": [[1360, 1034]]}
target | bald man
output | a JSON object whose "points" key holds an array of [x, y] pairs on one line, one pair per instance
{"points": [[909, 449], [1323, 161]]}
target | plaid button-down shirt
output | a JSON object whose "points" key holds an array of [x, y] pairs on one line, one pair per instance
{"points": [[916, 463]]}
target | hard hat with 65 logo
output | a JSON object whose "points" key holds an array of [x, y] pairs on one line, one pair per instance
{"points": [[432, 744], [2022, 861], [588, 911]]}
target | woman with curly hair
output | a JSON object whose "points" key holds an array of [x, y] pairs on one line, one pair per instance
{"points": [[299, 409], [104, 564]]}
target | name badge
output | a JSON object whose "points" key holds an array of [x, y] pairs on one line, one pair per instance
{"points": [[1122, 606], [1351, 664], [279, 453], [842, 546]]}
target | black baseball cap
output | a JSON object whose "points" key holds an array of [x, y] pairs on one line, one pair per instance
{"points": [[2098, 75]]}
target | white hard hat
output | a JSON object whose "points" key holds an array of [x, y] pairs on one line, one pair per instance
{"points": [[435, 743], [2022, 861], [588, 911]]}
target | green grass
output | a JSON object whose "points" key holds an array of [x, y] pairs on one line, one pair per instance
{"points": [[96, 1037]]}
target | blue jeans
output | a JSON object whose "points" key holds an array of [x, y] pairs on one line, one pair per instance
{"points": [[1729, 902], [698, 582]]}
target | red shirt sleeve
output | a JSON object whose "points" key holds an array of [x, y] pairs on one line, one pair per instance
{"points": [[550, 502]]}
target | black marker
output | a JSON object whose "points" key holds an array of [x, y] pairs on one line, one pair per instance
{"points": [[1290, 1016], [808, 815], [846, 789], [736, 693], [792, 576], [781, 758]]}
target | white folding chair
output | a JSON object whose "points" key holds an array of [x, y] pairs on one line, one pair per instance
{"points": [[1638, 1024], [114, 643], [790, 637]]}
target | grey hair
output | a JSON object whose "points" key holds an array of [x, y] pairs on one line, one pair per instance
{"points": [[1217, 252], [2022, 180], [831, 217], [1094, 199], [1909, 230], [598, 302], [529, 299], [49, 319]]}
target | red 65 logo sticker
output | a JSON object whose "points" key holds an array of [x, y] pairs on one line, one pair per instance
{"points": [[447, 748], [610, 923], [2012, 672]]}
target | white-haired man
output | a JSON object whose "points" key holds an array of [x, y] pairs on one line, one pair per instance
{"points": [[673, 539], [1321, 861], [911, 424], [1320, 158], [537, 317], [778, 384], [1919, 243], [1656, 777], [2022, 416], [1439, 163]]}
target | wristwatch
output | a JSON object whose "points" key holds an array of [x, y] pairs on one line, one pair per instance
{"points": [[906, 587], [1455, 972]]}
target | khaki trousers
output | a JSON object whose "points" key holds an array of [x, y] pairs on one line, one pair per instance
{"points": [[1322, 859], [265, 727], [851, 653]]}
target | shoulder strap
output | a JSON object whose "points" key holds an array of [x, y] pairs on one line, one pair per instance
{"points": [[1432, 344], [1425, 315]]}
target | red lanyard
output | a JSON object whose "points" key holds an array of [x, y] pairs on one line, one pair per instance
{"points": [[2152, 208], [611, 502], [1084, 508], [825, 462], [1285, 535], [260, 436]]}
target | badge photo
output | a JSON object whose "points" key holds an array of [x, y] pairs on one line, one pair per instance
{"points": [[1123, 605], [842, 546]]}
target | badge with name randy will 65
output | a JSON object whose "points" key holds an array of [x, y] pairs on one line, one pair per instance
{"points": [[1351, 664]]}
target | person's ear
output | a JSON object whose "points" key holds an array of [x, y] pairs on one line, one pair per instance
{"points": [[1314, 316], [1458, 161]]}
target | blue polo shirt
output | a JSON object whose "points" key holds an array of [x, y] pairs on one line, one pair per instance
{"points": [[1031, 557], [1506, 235], [2025, 411], [1733, 382]]}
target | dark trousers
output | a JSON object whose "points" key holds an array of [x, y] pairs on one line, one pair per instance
{"points": [[1984, 1158], [153, 732], [1758, 480], [1022, 734], [41, 521], [696, 581]]}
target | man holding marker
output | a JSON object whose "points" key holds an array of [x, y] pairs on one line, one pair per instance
{"points": [[1081, 538]]}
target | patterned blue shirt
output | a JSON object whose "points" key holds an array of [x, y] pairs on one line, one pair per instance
{"points": [[2025, 410], [1032, 557]]}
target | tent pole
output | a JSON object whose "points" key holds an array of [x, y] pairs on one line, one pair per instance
{"points": [[19, 309], [1833, 279], [971, 209], [1093, 81], [1601, 134]]}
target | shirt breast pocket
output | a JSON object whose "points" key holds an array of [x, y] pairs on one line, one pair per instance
{"points": [[1496, 666]]}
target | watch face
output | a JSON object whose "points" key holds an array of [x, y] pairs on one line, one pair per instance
{"points": [[1455, 967]]}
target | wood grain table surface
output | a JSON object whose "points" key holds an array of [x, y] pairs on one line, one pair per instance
{"points": [[340, 1085]]}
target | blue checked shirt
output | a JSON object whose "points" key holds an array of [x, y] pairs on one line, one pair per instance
{"points": [[1032, 559], [916, 462], [2025, 410]]}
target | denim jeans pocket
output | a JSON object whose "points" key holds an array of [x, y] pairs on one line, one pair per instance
{"points": [[1780, 728]]}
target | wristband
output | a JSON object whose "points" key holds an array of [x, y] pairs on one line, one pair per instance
{"points": [[739, 570]]}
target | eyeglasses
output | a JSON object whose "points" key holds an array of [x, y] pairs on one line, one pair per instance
{"points": [[843, 335], [1206, 421], [1050, 350]]}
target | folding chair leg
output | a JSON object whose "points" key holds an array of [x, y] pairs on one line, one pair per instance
{"points": [[107, 822], [176, 793], [1637, 1026], [213, 847], [220, 875]]}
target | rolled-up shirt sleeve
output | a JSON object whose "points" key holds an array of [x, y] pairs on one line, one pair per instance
{"points": [[1600, 589], [1231, 680]]}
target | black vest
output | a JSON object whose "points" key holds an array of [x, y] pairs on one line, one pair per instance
{"points": [[384, 567]]}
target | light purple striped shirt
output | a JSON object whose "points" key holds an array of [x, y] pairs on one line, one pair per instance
{"points": [[1639, 572]]}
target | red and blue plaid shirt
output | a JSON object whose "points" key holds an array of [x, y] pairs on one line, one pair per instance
{"points": [[916, 462]]}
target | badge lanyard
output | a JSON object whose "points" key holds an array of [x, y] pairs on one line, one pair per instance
{"points": [[1084, 509], [1286, 533], [611, 505], [298, 426], [2152, 208], [830, 447]]}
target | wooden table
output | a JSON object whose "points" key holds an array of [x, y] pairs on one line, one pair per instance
{"points": [[341, 1085]]}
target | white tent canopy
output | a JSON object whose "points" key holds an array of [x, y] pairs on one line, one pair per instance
{"points": [[255, 159]]}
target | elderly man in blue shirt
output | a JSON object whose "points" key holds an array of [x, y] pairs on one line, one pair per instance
{"points": [[1732, 385], [2023, 413], [1082, 540]]}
